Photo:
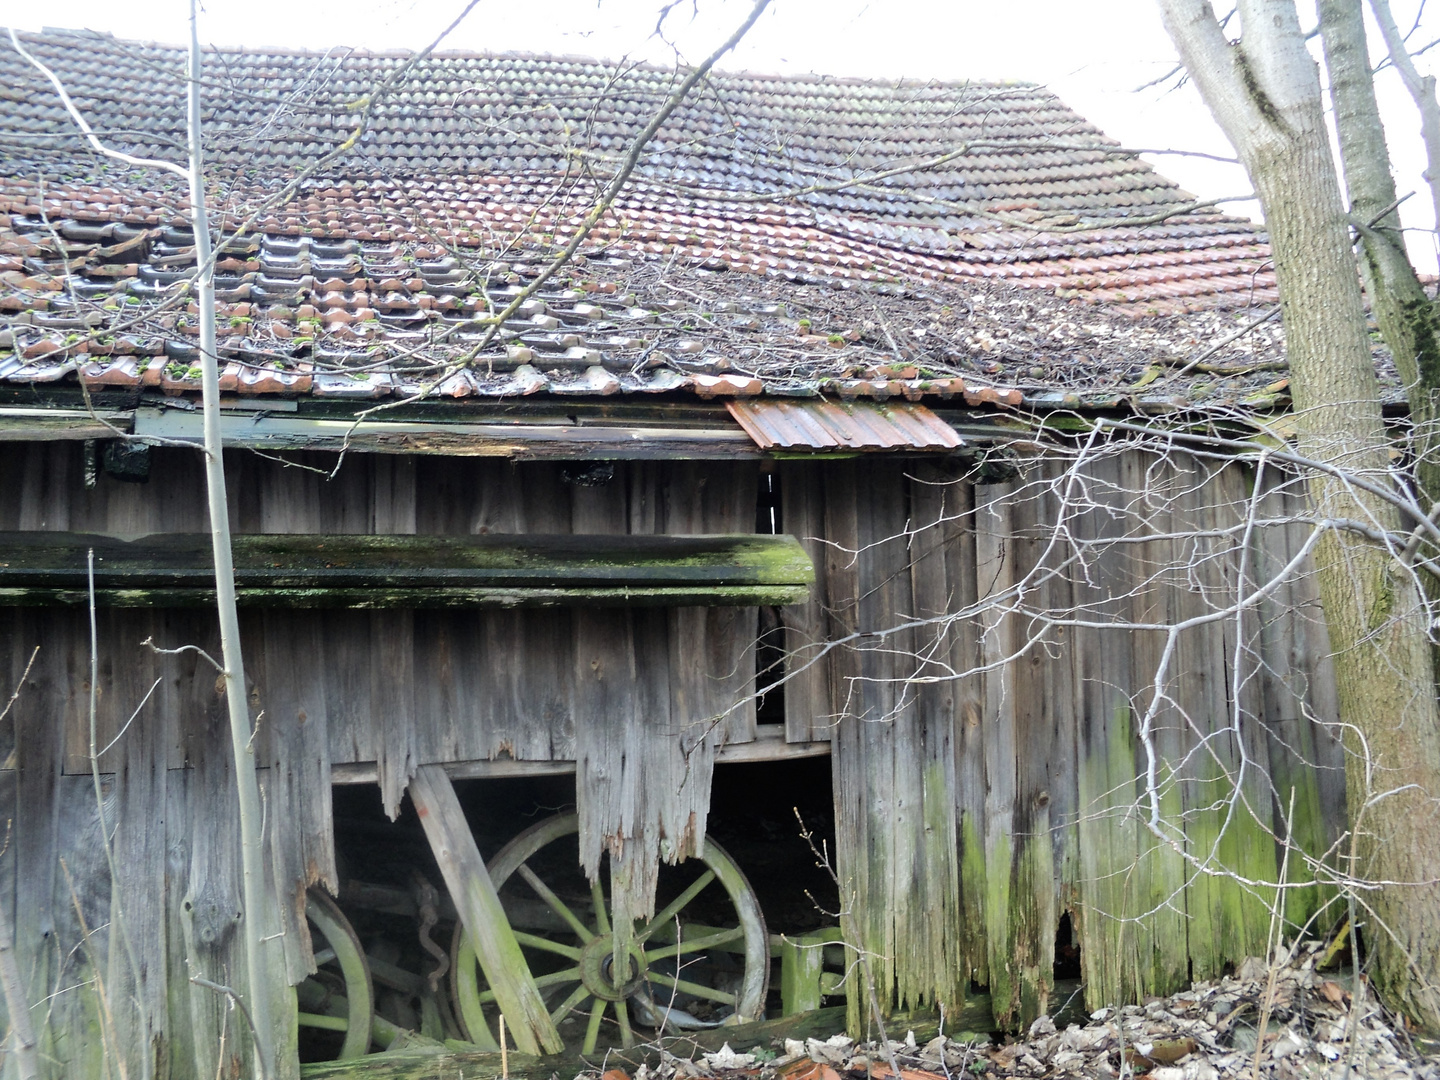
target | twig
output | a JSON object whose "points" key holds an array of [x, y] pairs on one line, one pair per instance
{"points": [[149, 643], [1190, 365], [20, 684], [235, 1000]]}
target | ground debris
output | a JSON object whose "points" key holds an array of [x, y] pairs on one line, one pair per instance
{"points": [[1291, 1023]]}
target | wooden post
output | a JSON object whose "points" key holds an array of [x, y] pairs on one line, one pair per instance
{"points": [[479, 906], [801, 962]]}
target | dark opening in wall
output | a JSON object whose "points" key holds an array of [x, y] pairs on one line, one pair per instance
{"points": [[1067, 950], [404, 924], [770, 632], [753, 814]]}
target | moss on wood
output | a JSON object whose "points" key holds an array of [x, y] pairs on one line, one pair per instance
{"points": [[301, 570]]}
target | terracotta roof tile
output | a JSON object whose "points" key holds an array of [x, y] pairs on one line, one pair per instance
{"points": [[378, 275]]}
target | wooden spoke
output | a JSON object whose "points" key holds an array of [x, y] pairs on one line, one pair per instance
{"points": [[670, 910], [592, 1029], [556, 904], [685, 986], [558, 978], [622, 1014], [535, 941], [597, 941], [602, 914], [327, 1023], [695, 944], [579, 994]]}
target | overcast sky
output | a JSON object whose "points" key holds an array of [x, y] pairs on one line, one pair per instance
{"points": [[1093, 53]]}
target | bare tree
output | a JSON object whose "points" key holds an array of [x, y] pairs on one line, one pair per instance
{"points": [[1406, 315], [1264, 91]]}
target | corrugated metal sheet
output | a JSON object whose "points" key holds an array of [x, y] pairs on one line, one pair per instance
{"points": [[832, 425]]}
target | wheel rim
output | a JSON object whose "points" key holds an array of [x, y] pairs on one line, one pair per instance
{"points": [[337, 953], [582, 980]]}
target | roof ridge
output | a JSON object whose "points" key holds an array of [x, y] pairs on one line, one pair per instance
{"points": [[356, 52]]}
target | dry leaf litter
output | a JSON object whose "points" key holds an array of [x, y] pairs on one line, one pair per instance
{"points": [[1307, 1024]]}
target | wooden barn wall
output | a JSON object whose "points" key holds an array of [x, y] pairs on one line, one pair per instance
{"points": [[985, 759], [986, 765], [329, 687]]}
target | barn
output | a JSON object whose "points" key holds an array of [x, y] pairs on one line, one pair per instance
{"points": [[769, 611]]}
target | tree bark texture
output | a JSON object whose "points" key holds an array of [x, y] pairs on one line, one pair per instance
{"points": [[1265, 93], [1405, 314], [1422, 90]]}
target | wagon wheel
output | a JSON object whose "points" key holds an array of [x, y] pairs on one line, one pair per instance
{"points": [[572, 966], [339, 997]]}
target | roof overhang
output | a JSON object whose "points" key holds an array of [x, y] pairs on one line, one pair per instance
{"points": [[754, 429]]}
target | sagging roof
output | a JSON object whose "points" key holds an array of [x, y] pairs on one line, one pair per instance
{"points": [[770, 244]]}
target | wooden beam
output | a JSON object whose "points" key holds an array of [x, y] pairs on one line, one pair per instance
{"points": [[409, 571], [969, 1022], [766, 747], [524, 441], [21, 424], [479, 905]]}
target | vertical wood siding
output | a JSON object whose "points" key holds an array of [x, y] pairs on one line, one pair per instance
{"points": [[998, 750], [985, 765]]}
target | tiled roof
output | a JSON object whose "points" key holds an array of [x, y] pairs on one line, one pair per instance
{"points": [[375, 275]]}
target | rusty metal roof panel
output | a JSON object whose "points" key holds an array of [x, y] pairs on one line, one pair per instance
{"points": [[831, 425]]}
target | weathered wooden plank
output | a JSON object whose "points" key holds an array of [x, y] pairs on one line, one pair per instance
{"points": [[79, 1018], [302, 842], [137, 972], [1294, 762], [711, 498], [621, 758], [393, 691], [346, 679], [1033, 912], [1253, 852], [1055, 703], [8, 784], [807, 689], [1225, 922], [1158, 883], [309, 570], [49, 477], [936, 966], [1106, 783], [820, 1023], [479, 906], [766, 747], [503, 440], [997, 576], [545, 687], [210, 911], [181, 1050], [863, 757], [962, 577], [36, 843], [28, 425]]}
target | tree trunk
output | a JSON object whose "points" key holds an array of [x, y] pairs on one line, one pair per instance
{"points": [[1406, 316], [1265, 94], [1422, 90]]}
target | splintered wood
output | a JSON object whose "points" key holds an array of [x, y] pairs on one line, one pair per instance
{"points": [[656, 692]]}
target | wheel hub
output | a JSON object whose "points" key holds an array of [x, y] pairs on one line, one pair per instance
{"points": [[597, 969]]}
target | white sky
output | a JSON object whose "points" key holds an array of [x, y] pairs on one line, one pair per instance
{"points": [[1093, 53]]}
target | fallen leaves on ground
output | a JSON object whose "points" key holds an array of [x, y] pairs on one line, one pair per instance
{"points": [[1304, 1025]]}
